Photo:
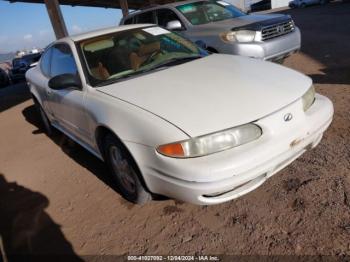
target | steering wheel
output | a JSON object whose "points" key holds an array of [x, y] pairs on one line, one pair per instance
{"points": [[151, 56]]}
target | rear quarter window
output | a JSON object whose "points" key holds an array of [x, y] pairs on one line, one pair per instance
{"points": [[128, 21], [145, 18]]}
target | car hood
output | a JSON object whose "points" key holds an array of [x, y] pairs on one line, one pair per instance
{"points": [[249, 22], [213, 93]]}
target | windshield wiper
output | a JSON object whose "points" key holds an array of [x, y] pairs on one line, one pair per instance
{"points": [[114, 80], [175, 60]]}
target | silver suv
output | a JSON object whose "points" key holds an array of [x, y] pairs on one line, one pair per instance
{"points": [[222, 28]]}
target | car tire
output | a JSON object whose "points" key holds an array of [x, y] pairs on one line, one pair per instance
{"points": [[303, 5], [124, 171], [48, 128]]}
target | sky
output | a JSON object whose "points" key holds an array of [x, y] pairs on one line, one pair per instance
{"points": [[25, 26]]}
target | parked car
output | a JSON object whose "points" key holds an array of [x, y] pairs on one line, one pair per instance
{"points": [[20, 66], [260, 6], [4, 79], [222, 28], [170, 119], [305, 3]]}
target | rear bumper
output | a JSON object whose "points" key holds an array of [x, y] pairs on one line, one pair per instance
{"points": [[230, 174], [273, 49]]}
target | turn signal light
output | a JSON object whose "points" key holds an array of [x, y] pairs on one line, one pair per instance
{"points": [[174, 150]]}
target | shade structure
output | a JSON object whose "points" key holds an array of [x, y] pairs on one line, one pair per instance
{"points": [[132, 4], [56, 17]]}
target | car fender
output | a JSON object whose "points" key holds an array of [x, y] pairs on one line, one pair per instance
{"points": [[130, 123]]}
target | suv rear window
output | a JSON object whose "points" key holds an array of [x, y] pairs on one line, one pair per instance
{"points": [[145, 18]]}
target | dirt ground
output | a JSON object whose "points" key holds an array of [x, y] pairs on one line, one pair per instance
{"points": [[62, 202]]}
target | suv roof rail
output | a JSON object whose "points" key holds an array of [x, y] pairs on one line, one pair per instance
{"points": [[144, 8], [152, 5]]}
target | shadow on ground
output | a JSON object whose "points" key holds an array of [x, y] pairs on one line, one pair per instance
{"points": [[72, 149], [26, 230], [325, 38], [13, 95]]}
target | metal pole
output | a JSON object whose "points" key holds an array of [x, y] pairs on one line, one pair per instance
{"points": [[124, 6], [56, 17]]}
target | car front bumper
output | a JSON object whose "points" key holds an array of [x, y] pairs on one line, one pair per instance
{"points": [[226, 175], [272, 49]]}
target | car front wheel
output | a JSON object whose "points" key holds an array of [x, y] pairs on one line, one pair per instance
{"points": [[124, 171]]}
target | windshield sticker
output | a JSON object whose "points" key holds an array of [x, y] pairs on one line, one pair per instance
{"points": [[156, 31], [223, 3]]}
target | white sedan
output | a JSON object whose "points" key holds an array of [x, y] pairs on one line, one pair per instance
{"points": [[169, 119]]}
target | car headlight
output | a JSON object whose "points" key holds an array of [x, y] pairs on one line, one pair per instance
{"points": [[212, 143], [239, 36], [309, 98]]}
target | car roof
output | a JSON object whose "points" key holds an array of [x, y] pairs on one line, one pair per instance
{"points": [[104, 31], [154, 7], [174, 4], [31, 55]]}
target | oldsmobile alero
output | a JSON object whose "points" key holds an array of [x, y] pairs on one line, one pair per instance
{"points": [[170, 119]]}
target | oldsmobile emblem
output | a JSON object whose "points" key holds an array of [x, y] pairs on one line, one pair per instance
{"points": [[288, 117]]}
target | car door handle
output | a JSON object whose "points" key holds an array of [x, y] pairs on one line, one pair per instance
{"points": [[49, 92]]}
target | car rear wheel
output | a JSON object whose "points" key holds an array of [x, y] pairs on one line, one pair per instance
{"points": [[44, 119], [124, 171]]}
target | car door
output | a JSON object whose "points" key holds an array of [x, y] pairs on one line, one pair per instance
{"points": [[166, 15], [42, 79], [67, 105]]}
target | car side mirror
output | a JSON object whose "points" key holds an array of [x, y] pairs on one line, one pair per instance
{"points": [[64, 81], [174, 25]]}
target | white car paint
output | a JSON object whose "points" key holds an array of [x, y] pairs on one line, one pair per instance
{"points": [[187, 100], [217, 81]]}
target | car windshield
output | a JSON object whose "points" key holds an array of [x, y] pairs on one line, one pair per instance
{"points": [[205, 12], [116, 56]]}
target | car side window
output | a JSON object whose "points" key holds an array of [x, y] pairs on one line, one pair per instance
{"points": [[45, 62], [62, 61], [145, 18], [164, 16]]}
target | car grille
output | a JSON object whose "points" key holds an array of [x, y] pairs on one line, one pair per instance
{"points": [[276, 30]]}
